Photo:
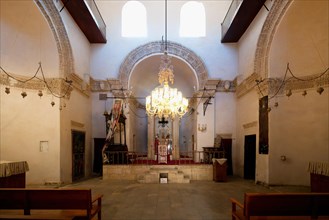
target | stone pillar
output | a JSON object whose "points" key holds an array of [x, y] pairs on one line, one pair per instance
{"points": [[150, 137], [175, 138]]}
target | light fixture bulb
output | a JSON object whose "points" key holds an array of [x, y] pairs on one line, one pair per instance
{"points": [[7, 90], [52, 103], [304, 93], [289, 93], [40, 94]]}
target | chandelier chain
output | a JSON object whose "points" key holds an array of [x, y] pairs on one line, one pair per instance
{"points": [[165, 101]]}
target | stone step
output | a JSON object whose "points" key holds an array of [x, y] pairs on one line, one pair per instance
{"points": [[174, 175]]}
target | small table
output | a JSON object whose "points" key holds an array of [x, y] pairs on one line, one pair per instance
{"points": [[162, 153], [12, 174]]}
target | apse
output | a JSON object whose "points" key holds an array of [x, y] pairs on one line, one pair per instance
{"points": [[144, 77]]}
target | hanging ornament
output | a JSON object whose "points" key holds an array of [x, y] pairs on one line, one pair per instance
{"points": [[289, 93], [60, 108], [40, 94], [304, 93], [7, 90], [23, 94], [276, 104], [52, 103], [320, 90]]}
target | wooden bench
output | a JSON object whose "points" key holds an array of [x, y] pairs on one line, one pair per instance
{"points": [[282, 206], [27, 203]]}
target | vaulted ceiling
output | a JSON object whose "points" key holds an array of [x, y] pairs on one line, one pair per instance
{"points": [[144, 77]]}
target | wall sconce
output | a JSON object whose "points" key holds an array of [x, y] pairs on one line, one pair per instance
{"points": [[283, 158], [101, 85], [227, 85], [202, 127]]}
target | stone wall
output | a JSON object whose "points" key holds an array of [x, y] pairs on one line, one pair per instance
{"points": [[135, 172]]}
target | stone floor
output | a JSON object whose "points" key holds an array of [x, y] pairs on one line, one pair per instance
{"points": [[199, 200]]}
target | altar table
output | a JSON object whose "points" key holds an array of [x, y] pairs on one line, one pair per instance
{"points": [[12, 174]]}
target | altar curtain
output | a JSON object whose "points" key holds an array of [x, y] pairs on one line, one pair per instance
{"points": [[321, 168], [9, 168]]}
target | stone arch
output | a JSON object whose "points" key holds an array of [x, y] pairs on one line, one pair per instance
{"points": [[51, 14], [271, 23], [156, 47]]}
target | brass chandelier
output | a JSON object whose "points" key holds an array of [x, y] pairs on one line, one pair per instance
{"points": [[165, 101]]}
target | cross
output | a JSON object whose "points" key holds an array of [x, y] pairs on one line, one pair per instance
{"points": [[163, 122]]}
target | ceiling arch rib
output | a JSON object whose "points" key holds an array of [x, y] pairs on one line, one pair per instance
{"points": [[155, 48]]}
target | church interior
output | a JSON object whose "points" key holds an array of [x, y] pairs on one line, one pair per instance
{"points": [[78, 81]]}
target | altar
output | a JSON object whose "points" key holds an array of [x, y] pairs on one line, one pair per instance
{"points": [[163, 139], [12, 174]]}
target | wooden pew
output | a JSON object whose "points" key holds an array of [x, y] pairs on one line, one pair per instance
{"points": [[27, 203], [282, 206]]}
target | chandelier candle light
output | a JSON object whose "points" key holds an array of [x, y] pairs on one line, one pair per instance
{"points": [[165, 101]]}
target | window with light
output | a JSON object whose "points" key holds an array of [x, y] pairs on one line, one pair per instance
{"points": [[134, 20], [192, 20]]}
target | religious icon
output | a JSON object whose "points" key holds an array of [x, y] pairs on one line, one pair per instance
{"points": [[112, 122]]}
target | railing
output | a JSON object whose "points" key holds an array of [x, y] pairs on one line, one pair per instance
{"points": [[96, 15], [141, 158], [230, 15]]}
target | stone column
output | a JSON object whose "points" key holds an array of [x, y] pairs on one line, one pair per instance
{"points": [[175, 138], [150, 137]]}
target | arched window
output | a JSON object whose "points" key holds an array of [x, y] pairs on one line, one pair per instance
{"points": [[192, 20], [133, 20]]}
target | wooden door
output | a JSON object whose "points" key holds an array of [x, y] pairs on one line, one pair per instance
{"points": [[78, 155], [249, 156], [226, 145], [98, 158]]}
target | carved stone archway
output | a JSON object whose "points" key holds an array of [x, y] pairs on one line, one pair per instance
{"points": [[265, 39], [261, 59], [156, 47], [51, 14]]}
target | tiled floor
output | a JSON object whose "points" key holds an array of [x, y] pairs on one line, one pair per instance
{"points": [[199, 200]]}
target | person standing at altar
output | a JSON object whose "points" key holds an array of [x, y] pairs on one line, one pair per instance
{"points": [[168, 142]]}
